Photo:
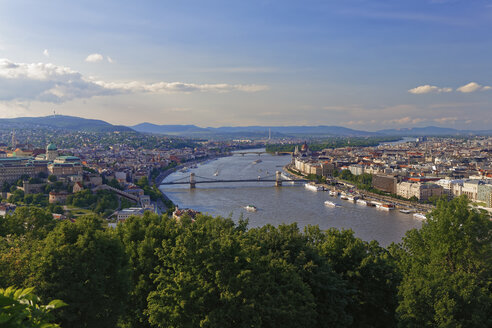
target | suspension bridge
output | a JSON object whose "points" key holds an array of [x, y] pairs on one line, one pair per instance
{"points": [[192, 180], [259, 153], [242, 153]]}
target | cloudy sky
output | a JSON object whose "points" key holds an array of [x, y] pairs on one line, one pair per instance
{"points": [[363, 64]]}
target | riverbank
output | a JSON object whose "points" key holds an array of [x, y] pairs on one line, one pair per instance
{"points": [[399, 203]]}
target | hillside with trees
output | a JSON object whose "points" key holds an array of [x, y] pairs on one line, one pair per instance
{"points": [[154, 271]]}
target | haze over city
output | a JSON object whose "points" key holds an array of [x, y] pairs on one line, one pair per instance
{"points": [[359, 64]]}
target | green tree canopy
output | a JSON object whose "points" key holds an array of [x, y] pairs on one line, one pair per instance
{"points": [[141, 237], [329, 294], [34, 221], [447, 269], [86, 267], [369, 271], [217, 274], [21, 308]]}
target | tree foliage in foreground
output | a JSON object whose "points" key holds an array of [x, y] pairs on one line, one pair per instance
{"points": [[447, 270], [142, 237], [85, 266], [21, 308], [368, 270], [216, 275]]}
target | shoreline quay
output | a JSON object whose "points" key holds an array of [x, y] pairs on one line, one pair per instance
{"points": [[401, 204]]}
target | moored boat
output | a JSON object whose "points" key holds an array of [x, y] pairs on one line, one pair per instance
{"points": [[385, 207], [405, 211], [334, 193], [361, 202], [352, 198], [331, 204], [313, 187], [419, 216]]}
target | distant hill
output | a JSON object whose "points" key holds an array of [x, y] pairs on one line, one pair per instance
{"points": [[61, 122], [167, 129], [432, 131], [186, 130], [82, 124]]}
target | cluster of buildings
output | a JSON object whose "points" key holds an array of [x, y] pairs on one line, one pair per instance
{"points": [[421, 169], [29, 162], [90, 164]]}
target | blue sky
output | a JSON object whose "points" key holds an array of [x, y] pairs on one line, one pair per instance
{"points": [[360, 64]]}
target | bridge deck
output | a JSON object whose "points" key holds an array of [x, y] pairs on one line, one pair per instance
{"points": [[226, 181]]}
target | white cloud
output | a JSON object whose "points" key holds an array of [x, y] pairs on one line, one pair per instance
{"points": [[404, 120], [94, 58], [472, 87], [444, 120], [110, 60], [467, 88], [46, 53], [428, 89], [52, 83], [178, 87], [34, 71]]}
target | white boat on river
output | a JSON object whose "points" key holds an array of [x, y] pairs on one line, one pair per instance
{"points": [[419, 216], [250, 208], [313, 187], [331, 204]]}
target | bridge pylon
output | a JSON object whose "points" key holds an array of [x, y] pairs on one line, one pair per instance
{"points": [[278, 179], [192, 181]]}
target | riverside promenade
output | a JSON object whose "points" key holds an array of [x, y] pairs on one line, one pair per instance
{"points": [[399, 203]]}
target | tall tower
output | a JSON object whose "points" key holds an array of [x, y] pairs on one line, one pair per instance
{"points": [[14, 141]]}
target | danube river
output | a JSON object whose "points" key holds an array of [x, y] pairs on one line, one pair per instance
{"points": [[286, 204]]}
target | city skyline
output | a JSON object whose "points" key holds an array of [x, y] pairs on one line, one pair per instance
{"points": [[360, 64]]}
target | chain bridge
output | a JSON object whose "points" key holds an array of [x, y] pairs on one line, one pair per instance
{"points": [[242, 153], [193, 181]]}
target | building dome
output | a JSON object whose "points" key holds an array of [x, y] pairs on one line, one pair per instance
{"points": [[51, 147]]}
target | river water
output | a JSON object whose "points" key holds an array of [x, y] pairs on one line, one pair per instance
{"points": [[286, 204]]}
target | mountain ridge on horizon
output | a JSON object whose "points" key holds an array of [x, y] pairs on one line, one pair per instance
{"points": [[147, 127], [84, 124]]}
